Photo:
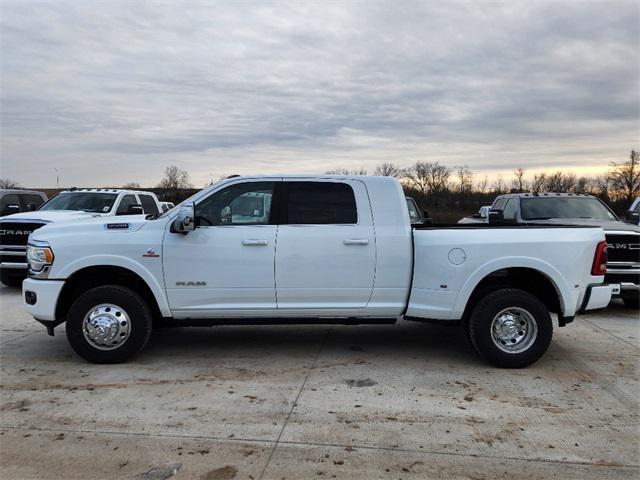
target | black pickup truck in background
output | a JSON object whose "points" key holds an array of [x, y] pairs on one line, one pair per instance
{"points": [[623, 238]]}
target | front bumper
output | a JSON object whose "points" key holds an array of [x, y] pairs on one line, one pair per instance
{"points": [[40, 298], [596, 297]]}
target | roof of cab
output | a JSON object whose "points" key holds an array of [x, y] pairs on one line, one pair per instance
{"points": [[546, 194], [104, 190], [20, 190]]}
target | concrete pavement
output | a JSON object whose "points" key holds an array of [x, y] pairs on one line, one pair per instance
{"points": [[402, 401]]}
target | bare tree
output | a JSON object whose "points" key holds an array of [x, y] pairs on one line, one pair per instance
{"points": [[625, 177], [483, 184], [428, 177], [132, 186], [518, 182], [173, 181], [8, 183], [539, 182], [388, 169], [582, 185], [499, 187], [464, 176], [560, 182]]}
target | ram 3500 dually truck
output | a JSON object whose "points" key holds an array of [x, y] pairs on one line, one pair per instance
{"points": [[270, 250]]}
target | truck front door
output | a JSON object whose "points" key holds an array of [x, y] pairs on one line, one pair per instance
{"points": [[226, 265]]}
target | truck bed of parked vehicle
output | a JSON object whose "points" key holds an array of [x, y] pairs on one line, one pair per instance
{"points": [[623, 237], [258, 250]]}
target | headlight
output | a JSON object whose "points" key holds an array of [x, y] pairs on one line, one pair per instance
{"points": [[39, 257]]}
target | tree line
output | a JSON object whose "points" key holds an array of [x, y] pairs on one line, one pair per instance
{"points": [[435, 185], [457, 189]]}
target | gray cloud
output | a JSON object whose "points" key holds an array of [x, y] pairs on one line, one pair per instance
{"points": [[113, 92]]}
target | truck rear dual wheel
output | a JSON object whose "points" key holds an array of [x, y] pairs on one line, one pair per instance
{"points": [[109, 324], [510, 328]]}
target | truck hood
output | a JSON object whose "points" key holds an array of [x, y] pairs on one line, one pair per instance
{"points": [[51, 216], [119, 224], [607, 225]]}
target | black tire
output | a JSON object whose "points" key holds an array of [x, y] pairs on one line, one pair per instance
{"points": [[11, 279], [631, 302], [129, 303], [533, 345]]}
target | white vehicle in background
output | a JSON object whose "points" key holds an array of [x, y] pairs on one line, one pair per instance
{"points": [[166, 206], [69, 205], [261, 250], [481, 217]]}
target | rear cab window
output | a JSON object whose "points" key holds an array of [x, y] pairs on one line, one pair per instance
{"points": [[8, 199], [149, 205], [125, 203], [319, 203], [31, 199]]}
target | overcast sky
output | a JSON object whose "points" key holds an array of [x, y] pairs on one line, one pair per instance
{"points": [[112, 92]]}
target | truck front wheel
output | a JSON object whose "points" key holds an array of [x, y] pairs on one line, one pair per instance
{"points": [[510, 328], [108, 324]]}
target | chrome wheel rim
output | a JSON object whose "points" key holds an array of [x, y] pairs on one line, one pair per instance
{"points": [[106, 326], [513, 330]]}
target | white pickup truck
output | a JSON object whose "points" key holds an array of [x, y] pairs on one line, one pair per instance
{"points": [[270, 250], [69, 205]]}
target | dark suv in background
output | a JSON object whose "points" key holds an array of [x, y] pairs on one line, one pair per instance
{"points": [[16, 201]]}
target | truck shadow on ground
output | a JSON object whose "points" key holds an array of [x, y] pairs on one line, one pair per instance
{"points": [[404, 340]]}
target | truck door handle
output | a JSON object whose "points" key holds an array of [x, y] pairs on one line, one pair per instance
{"points": [[255, 243], [356, 241]]}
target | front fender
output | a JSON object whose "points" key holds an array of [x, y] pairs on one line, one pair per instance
{"points": [[138, 268], [564, 290]]}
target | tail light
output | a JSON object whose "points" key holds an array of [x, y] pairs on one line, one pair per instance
{"points": [[600, 260]]}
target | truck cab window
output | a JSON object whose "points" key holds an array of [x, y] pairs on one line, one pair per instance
{"points": [[499, 204], [6, 200], [148, 204], [510, 209], [317, 203], [127, 200], [241, 204]]}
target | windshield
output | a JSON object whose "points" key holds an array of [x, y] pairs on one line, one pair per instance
{"points": [[543, 208], [83, 201]]}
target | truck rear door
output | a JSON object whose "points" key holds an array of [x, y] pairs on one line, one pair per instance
{"points": [[325, 251]]}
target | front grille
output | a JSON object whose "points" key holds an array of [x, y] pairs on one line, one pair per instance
{"points": [[13, 258], [623, 248], [622, 278], [17, 233]]}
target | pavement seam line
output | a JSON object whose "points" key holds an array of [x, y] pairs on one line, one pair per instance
{"points": [[311, 444], [314, 363], [611, 334]]}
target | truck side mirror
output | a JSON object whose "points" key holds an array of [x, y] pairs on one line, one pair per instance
{"points": [[426, 218], [11, 209], [484, 211], [632, 216], [496, 216], [135, 209], [185, 222]]}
